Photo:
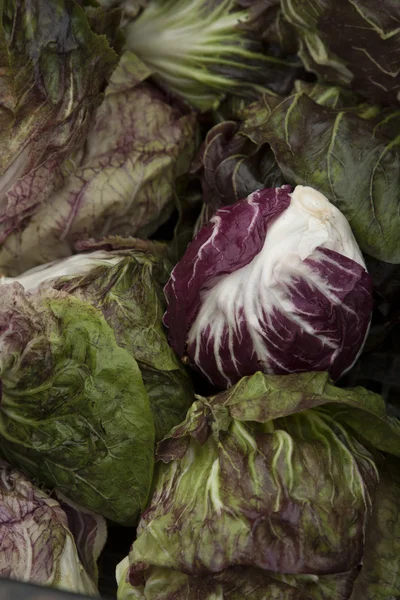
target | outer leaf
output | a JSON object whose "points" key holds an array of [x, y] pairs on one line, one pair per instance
{"points": [[380, 575], [338, 98], [89, 531], [270, 284], [124, 181], [53, 70], [349, 159], [36, 542], [362, 50], [128, 290], [301, 484], [265, 397], [126, 286], [106, 22], [225, 251], [230, 167], [262, 398], [236, 584], [130, 297], [263, 475], [202, 65], [74, 411]]}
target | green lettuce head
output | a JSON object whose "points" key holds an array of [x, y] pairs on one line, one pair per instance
{"points": [[88, 379], [202, 50], [275, 488]]}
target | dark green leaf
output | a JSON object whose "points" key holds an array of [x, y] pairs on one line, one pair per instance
{"points": [[231, 166], [130, 296], [347, 158], [351, 42]]}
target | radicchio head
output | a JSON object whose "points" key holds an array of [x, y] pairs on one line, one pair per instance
{"points": [[275, 283]]}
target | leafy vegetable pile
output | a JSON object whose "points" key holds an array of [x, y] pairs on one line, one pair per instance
{"points": [[200, 298]]}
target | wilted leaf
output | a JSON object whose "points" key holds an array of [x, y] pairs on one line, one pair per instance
{"points": [[123, 183], [53, 71]]}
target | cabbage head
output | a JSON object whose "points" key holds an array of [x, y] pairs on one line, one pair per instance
{"points": [[281, 487]]}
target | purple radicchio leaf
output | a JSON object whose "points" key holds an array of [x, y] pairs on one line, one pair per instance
{"points": [[90, 533], [54, 69], [275, 283], [123, 182], [36, 542], [231, 239]]}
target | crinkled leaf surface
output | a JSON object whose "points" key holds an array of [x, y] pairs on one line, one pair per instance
{"points": [[124, 180], [74, 411], [129, 294], [380, 575], [361, 50], [54, 69], [37, 544], [230, 166], [237, 584], [268, 457], [126, 285], [355, 162]]}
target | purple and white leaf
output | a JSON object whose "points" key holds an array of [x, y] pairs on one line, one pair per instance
{"points": [[90, 533], [274, 283], [36, 542]]}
